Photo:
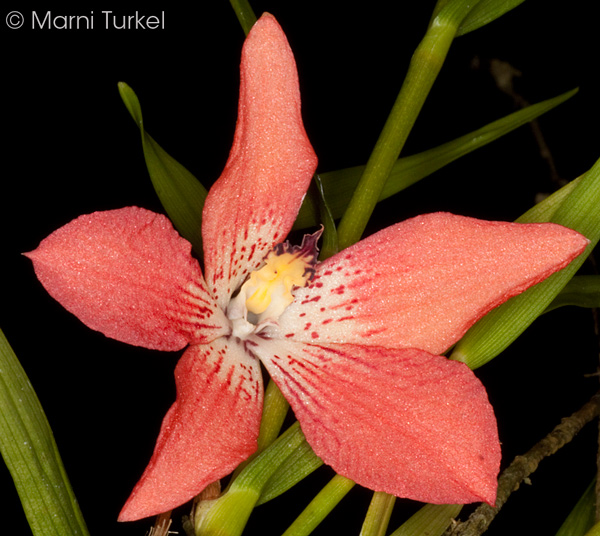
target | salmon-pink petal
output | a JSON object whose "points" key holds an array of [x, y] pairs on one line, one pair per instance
{"points": [[423, 282], [404, 421], [128, 274], [255, 201], [210, 430]]}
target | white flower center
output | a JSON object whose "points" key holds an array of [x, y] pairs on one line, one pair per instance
{"points": [[268, 290]]}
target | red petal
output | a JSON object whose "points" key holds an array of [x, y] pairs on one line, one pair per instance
{"points": [[423, 282], [255, 201], [210, 429], [405, 422], [128, 274]]}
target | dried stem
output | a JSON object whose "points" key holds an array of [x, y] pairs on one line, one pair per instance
{"points": [[523, 466], [162, 525]]}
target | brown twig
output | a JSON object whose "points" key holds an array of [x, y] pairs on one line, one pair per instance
{"points": [[504, 75], [523, 466]]}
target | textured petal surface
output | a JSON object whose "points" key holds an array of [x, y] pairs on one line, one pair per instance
{"points": [[401, 421], [255, 201], [210, 429], [423, 282], [128, 274]]}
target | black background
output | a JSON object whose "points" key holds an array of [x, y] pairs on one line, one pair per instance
{"points": [[71, 148]]}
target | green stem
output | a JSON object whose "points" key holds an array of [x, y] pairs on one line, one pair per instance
{"points": [[320, 506], [422, 72], [275, 408], [245, 14], [378, 515]]}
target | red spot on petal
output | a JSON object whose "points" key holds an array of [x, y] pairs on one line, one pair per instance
{"points": [[313, 299]]}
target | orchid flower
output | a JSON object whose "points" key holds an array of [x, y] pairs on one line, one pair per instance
{"points": [[353, 342]]}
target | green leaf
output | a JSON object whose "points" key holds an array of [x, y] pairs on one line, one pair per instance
{"points": [[432, 519], [329, 243], [485, 12], [31, 455], [299, 464], [581, 518], [180, 193], [339, 185], [581, 291], [497, 330]]}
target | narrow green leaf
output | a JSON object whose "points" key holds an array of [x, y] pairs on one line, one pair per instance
{"points": [[180, 193], [298, 465], [432, 519], [423, 69], [31, 455], [484, 13], [318, 509], [497, 330], [339, 185], [581, 291], [244, 13], [581, 518]]}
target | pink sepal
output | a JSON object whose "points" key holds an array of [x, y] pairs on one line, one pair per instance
{"points": [[405, 422], [128, 274], [208, 432], [423, 282], [254, 203]]}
